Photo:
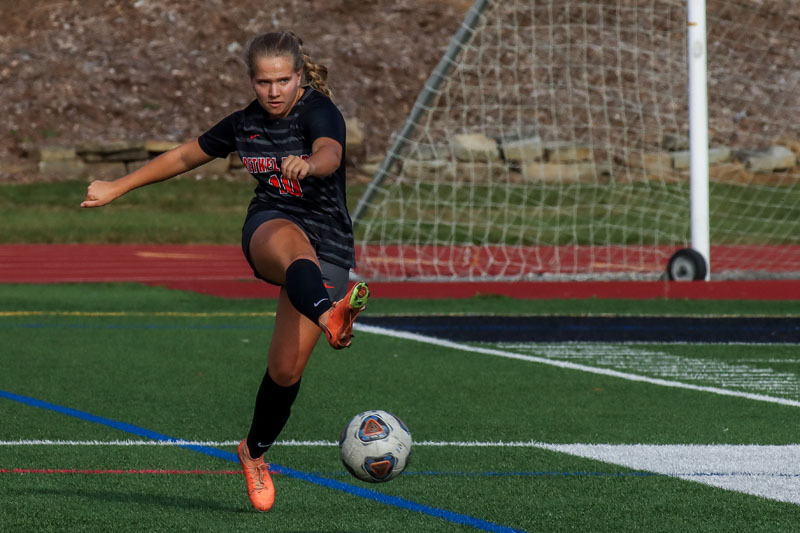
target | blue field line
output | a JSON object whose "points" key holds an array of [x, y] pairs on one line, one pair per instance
{"points": [[368, 494]]}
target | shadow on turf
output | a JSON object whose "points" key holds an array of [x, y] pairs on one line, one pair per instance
{"points": [[162, 501], [141, 499]]}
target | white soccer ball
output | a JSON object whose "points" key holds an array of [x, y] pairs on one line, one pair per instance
{"points": [[375, 446]]}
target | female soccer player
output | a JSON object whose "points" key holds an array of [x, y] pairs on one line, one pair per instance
{"points": [[297, 232]]}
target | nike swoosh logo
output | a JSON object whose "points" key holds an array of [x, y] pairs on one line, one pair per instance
{"points": [[253, 136], [263, 445], [319, 302], [329, 286]]}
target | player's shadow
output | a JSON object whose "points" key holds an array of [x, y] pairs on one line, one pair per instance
{"points": [[128, 498], [157, 500]]}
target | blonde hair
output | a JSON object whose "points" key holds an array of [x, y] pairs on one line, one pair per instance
{"points": [[287, 44]]}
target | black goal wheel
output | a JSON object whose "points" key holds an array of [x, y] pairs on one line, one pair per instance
{"points": [[686, 265]]}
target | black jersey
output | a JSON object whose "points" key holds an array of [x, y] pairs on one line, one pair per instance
{"points": [[318, 205]]}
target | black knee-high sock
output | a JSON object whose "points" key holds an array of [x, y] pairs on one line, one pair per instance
{"points": [[306, 290], [273, 406]]}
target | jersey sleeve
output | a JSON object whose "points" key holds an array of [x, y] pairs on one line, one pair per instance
{"points": [[220, 140], [323, 119]]}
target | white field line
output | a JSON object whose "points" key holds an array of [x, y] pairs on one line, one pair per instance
{"points": [[768, 471], [573, 366], [299, 443]]}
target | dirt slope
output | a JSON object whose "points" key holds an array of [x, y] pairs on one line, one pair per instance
{"points": [[88, 70], [98, 70]]}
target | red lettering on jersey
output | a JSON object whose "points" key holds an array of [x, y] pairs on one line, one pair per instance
{"points": [[262, 165]]}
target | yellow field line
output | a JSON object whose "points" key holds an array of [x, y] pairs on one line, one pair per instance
{"points": [[231, 314]]}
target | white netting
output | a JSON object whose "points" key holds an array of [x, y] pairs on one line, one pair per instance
{"points": [[555, 147]]}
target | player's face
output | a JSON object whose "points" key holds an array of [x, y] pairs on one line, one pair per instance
{"points": [[277, 84]]}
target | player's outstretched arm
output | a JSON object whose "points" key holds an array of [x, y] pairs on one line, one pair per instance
{"points": [[169, 164]]}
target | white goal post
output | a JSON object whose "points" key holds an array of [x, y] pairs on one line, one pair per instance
{"points": [[698, 130], [576, 139]]}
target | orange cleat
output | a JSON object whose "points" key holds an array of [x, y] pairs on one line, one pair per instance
{"points": [[339, 330], [259, 483]]}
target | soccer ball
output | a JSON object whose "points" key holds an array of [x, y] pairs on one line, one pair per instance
{"points": [[375, 446]]}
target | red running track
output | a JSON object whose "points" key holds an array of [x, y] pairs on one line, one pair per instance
{"points": [[221, 270], [513, 262]]}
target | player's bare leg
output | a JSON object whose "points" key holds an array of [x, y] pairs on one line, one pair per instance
{"points": [[292, 343], [275, 245]]}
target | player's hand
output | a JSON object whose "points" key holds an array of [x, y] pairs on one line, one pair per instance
{"points": [[100, 193], [295, 168]]}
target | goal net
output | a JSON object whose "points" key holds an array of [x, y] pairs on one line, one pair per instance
{"points": [[552, 143]]}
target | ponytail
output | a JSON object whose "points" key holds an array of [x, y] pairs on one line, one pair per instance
{"points": [[316, 76]]}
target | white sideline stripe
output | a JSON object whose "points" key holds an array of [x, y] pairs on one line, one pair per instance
{"points": [[217, 444], [767, 471], [573, 366]]}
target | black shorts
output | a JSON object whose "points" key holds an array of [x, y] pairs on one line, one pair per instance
{"points": [[336, 277]]}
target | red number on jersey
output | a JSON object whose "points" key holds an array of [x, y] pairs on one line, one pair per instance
{"points": [[285, 185]]}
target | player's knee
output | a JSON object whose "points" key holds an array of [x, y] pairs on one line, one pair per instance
{"points": [[284, 375]]}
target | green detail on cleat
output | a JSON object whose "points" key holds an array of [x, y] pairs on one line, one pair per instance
{"points": [[359, 296]]}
